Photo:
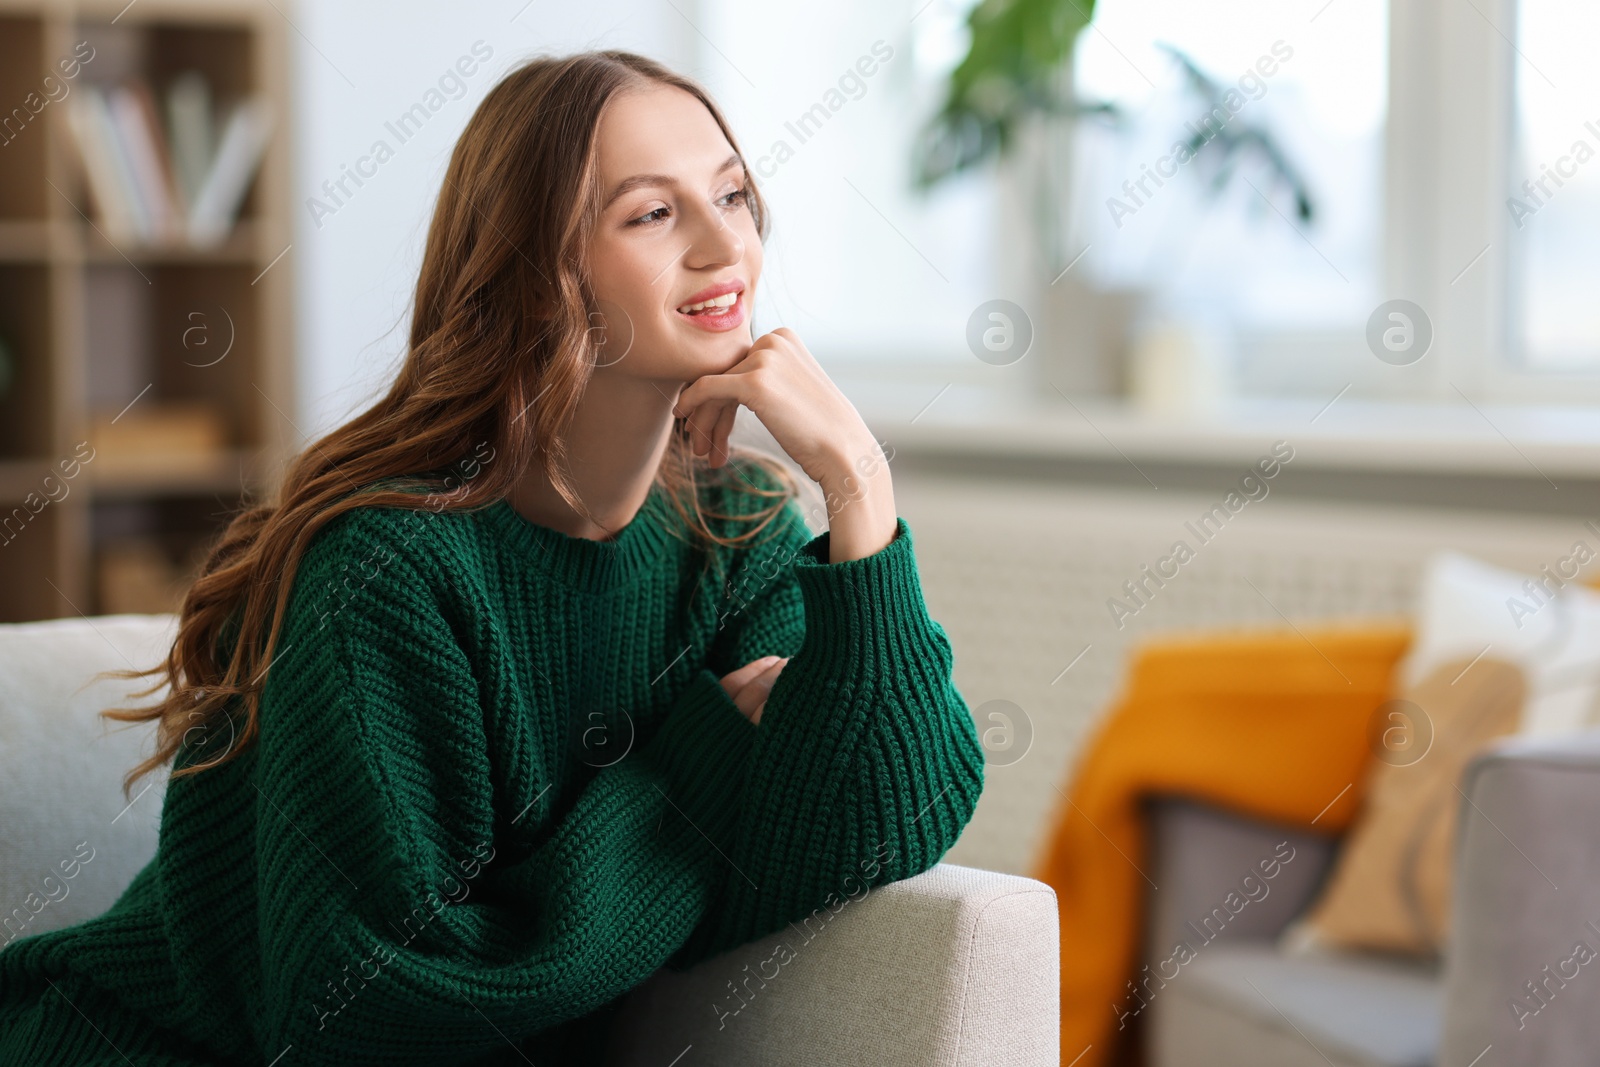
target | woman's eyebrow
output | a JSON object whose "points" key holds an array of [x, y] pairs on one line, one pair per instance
{"points": [[641, 181]]}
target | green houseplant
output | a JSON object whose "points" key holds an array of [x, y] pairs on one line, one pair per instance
{"points": [[1017, 67], [1014, 68], [1012, 95]]}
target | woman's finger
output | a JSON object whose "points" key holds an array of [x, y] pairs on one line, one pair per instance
{"points": [[694, 422], [755, 692], [736, 680], [715, 415], [720, 435], [719, 389]]}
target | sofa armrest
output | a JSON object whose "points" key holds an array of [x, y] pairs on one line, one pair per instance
{"points": [[952, 967], [1526, 897], [1200, 854], [70, 841]]}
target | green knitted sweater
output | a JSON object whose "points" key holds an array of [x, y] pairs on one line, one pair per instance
{"points": [[498, 783]]}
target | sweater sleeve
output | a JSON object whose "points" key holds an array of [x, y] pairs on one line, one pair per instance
{"points": [[867, 764], [389, 929]]}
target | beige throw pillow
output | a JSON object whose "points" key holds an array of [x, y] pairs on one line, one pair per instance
{"points": [[1390, 887]]}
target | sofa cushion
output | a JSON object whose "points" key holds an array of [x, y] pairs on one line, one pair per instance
{"points": [[1466, 607], [1390, 889], [1246, 1004], [70, 842]]}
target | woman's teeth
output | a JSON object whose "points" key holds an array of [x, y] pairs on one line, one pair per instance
{"points": [[719, 303]]}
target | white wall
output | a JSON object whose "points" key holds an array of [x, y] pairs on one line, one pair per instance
{"points": [[360, 65]]}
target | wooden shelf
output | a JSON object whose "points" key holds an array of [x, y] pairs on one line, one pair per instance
{"points": [[44, 241], [233, 471], [242, 246], [195, 13], [29, 240], [99, 328], [19, 477]]}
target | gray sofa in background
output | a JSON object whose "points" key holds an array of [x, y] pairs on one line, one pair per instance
{"points": [[955, 967], [1526, 894]]}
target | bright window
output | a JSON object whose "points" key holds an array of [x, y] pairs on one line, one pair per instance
{"points": [[1554, 200], [1303, 100]]}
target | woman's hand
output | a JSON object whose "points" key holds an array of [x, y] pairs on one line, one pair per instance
{"points": [[750, 684], [811, 420]]}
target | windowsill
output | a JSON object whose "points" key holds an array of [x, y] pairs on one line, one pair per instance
{"points": [[1537, 443]]}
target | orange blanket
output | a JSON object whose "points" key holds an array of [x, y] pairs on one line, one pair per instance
{"points": [[1270, 724]]}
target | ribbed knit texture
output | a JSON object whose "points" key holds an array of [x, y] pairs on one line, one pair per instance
{"points": [[498, 784]]}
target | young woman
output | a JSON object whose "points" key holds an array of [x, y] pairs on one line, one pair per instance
{"points": [[526, 687]]}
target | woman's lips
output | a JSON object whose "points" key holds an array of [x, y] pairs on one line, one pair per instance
{"points": [[729, 318]]}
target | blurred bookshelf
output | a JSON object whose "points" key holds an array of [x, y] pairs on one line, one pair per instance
{"points": [[146, 307]]}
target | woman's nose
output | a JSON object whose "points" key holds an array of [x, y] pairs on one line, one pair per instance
{"points": [[714, 243]]}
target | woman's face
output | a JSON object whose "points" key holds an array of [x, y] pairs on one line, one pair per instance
{"points": [[674, 230]]}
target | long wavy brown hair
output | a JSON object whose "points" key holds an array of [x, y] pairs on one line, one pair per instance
{"points": [[503, 339]]}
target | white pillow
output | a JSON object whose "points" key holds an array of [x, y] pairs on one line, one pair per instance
{"points": [[69, 841], [1467, 607]]}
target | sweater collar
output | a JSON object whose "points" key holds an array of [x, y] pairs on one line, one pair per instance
{"points": [[579, 562]]}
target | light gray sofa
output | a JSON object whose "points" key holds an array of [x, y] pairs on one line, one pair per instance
{"points": [[953, 967], [1526, 894]]}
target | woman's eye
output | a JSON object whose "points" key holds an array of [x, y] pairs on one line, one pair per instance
{"points": [[733, 199]]}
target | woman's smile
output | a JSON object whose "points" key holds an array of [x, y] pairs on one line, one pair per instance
{"points": [[718, 308]]}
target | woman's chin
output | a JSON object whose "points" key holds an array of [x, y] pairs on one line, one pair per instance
{"points": [[719, 355]]}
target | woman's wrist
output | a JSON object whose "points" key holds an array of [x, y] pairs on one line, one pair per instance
{"points": [[859, 496]]}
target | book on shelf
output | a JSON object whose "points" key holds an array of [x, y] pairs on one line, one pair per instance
{"points": [[169, 435], [138, 575], [217, 201], [141, 144], [191, 123], [90, 119], [181, 181]]}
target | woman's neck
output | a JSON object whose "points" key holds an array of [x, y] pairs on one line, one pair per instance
{"points": [[618, 436]]}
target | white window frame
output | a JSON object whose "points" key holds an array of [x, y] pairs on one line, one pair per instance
{"points": [[1453, 74]]}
